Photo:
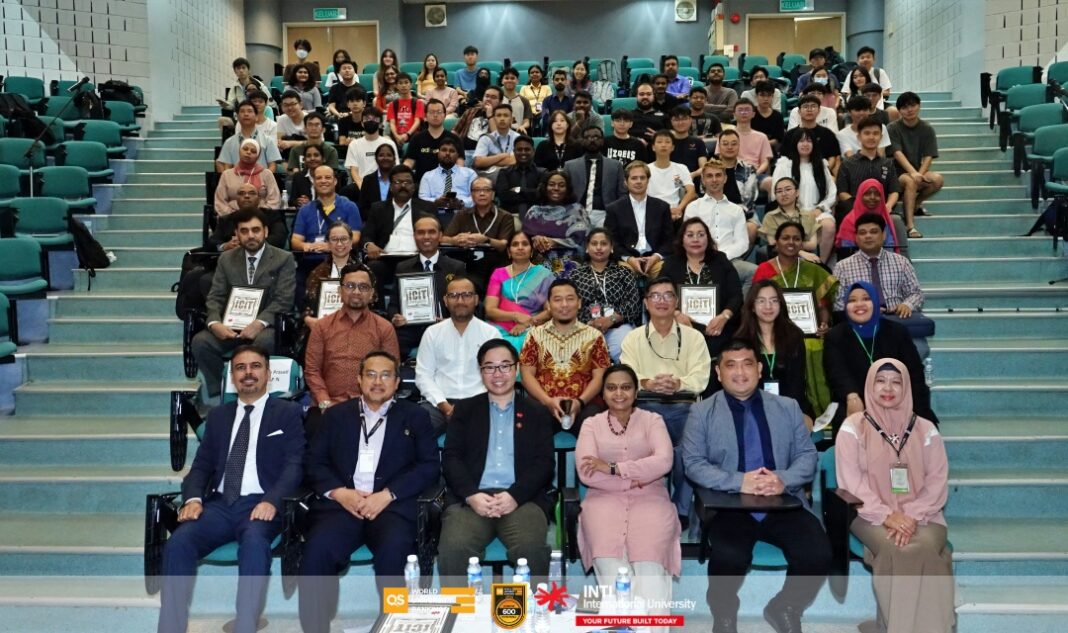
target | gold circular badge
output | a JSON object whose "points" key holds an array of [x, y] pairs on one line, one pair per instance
{"points": [[508, 612]]}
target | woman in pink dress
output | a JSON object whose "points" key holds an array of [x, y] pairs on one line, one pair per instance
{"points": [[628, 520]]}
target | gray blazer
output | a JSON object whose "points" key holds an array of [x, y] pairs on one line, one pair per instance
{"points": [[710, 444], [277, 274], [612, 187]]}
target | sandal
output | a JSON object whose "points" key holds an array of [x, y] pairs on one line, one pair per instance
{"points": [[915, 234]]}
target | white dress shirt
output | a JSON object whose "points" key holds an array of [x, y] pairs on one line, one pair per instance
{"points": [[433, 259], [402, 240], [445, 366], [642, 246], [363, 479], [250, 480], [726, 220]]}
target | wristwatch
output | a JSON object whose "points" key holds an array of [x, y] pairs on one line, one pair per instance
{"points": [[324, 405], [612, 468]]}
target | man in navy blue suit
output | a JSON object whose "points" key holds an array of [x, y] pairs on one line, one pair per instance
{"points": [[368, 463], [250, 459]]}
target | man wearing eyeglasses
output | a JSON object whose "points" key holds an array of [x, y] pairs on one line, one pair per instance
{"points": [[498, 466], [389, 227], [446, 368], [339, 342], [673, 367], [368, 464]]}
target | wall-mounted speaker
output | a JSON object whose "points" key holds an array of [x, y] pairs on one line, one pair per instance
{"points": [[685, 10], [434, 16]]}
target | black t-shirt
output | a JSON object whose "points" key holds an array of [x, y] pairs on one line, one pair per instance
{"points": [[689, 151], [423, 149], [825, 140], [337, 94], [352, 129], [730, 188], [772, 125], [624, 150], [653, 120]]}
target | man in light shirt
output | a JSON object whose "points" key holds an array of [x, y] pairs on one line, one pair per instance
{"points": [[724, 219], [445, 368]]}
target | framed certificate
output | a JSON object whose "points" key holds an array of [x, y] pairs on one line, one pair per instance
{"points": [[417, 619], [418, 298], [242, 307], [801, 308], [329, 297], [699, 303]]}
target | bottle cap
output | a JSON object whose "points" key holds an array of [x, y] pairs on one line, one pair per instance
{"points": [[521, 562], [473, 560], [624, 570], [412, 558]]}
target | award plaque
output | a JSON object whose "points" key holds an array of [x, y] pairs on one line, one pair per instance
{"points": [[418, 299], [242, 307], [416, 620], [801, 308], [329, 297], [699, 303]]}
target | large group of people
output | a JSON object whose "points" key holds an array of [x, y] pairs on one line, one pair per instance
{"points": [[685, 301]]}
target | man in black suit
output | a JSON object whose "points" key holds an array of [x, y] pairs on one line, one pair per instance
{"points": [[368, 463], [498, 465], [249, 460], [607, 176], [389, 226], [256, 264], [640, 224], [429, 259]]}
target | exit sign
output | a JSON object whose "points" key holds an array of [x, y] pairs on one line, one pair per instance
{"points": [[329, 14], [793, 6]]}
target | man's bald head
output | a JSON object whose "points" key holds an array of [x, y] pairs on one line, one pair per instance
{"points": [[248, 197]]}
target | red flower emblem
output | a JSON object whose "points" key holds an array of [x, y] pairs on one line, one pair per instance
{"points": [[555, 597]]}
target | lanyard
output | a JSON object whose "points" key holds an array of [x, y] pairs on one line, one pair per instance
{"points": [[517, 280], [601, 285], [404, 212], [474, 220], [506, 149], [678, 342], [367, 435], [869, 354], [797, 273], [770, 361], [690, 280], [904, 438]]}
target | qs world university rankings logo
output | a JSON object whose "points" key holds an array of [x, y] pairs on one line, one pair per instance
{"points": [[509, 606], [460, 599]]}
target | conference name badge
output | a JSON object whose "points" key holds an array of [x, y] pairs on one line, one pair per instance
{"points": [[899, 479], [509, 604]]}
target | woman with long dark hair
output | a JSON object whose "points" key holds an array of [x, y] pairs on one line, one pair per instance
{"points": [[611, 300]]}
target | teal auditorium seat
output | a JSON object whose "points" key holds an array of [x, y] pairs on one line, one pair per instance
{"points": [[10, 184], [714, 59], [492, 66], [524, 64], [62, 107], [30, 87], [620, 103], [748, 62], [1057, 185], [43, 219], [70, 183], [1030, 120], [13, 152], [1006, 78], [89, 155], [107, 132], [58, 129], [791, 61], [371, 68], [7, 347], [367, 80], [61, 86], [1047, 141], [21, 273], [1018, 98], [123, 114], [1057, 72], [451, 66], [412, 68]]}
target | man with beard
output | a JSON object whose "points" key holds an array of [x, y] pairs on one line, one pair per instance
{"points": [[648, 119], [559, 100], [664, 101], [583, 117], [339, 342], [720, 98], [390, 226], [446, 369], [678, 85], [517, 186], [429, 260], [255, 264], [597, 181], [448, 185], [563, 361]]}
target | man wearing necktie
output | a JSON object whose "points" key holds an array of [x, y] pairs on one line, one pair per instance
{"points": [[255, 264], [249, 460], [429, 260], [599, 180], [748, 441], [447, 186], [389, 227]]}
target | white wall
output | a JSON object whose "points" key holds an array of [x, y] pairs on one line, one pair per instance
{"points": [[1023, 32], [187, 44]]}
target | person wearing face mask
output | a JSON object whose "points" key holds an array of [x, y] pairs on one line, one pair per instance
{"points": [[360, 160], [301, 49], [817, 59], [893, 461]]}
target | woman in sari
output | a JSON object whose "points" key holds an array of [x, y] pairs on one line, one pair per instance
{"points": [[516, 294], [790, 272], [870, 198], [557, 224]]}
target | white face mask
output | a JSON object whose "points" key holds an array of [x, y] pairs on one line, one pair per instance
{"points": [[301, 53], [820, 80]]}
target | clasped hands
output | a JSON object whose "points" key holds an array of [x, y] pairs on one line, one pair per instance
{"points": [[492, 506], [362, 505], [900, 528], [469, 240], [762, 482], [249, 333], [663, 383]]}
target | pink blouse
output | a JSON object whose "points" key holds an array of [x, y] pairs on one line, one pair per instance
{"points": [[618, 521]]}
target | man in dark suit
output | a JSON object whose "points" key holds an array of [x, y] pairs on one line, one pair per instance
{"points": [[390, 225], [648, 240], [607, 176], [429, 259], [369, 461], [249, 460], [498, 466], [255, 264]]}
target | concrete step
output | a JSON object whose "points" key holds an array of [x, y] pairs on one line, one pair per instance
{"points": [[951, 139], [983, 192], [979, 247], [186, 204], [1037, 324], [999, 397], [199, 118], [38, 542], [129, 278], [148, 256], [146, 304], [170, 165], [1033, 492], [942, 208], [972, 296], [132, 329], [1036, 607], [1001, 269], [989, 225], [204, 128], [121, 398], [982, 177], [200, 109], [156, 190], [73, 489], [83, 441], [157, 153], [150, 178], [996, 357], [127, 360], [185, 132], [189, 142], [952, 166], [104, 605], [180, 238], [1005, 442], [151, 221]]}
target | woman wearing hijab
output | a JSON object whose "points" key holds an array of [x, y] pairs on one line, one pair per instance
{"points": [[247, 170], [892, 458], [870, 198], [852, 346], [482, 81]]}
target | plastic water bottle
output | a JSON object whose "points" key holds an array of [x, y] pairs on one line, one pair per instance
{"points": [[541, 613], [928, 371], [474, 575], [519, 580], [412, 574], [285, 199], [556, 570], [522, 570], [623, 590]]}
